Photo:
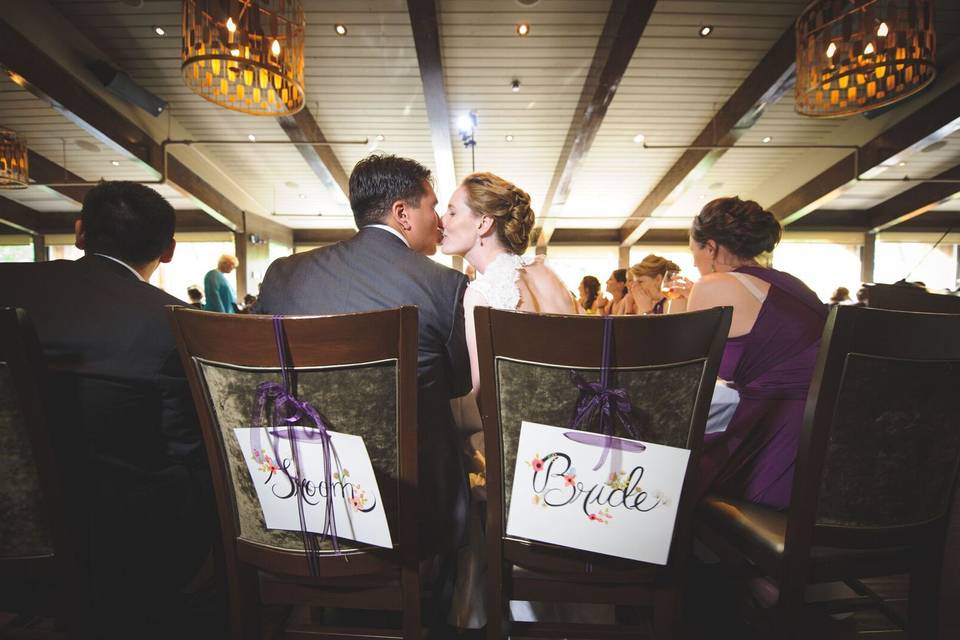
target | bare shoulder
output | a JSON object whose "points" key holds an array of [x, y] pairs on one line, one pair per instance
{"points": [[473, 298]]}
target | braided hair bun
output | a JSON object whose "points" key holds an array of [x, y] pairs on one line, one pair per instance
{"points": [[506, 203], [743, 227]]}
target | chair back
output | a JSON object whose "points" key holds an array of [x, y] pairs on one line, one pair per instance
{"points": [[880, 449], [358, 371], [667, 364], [908, 298], [40, 533]]}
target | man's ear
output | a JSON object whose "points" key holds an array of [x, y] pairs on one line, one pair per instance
{"points": [[80, 240], [398, 211], [167, 254]]}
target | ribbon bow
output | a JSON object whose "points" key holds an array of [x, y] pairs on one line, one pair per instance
{"points": [[287, 412], [612, 405]]}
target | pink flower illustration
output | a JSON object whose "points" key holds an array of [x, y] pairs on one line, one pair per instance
{"points": [[537, 464], [568, 481]]}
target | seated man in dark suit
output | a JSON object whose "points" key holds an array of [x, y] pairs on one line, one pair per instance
{"points": [[124, 403], [384, 266]]}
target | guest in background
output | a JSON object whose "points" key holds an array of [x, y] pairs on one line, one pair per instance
{"points": [[621, 304], [862, 298], [249, 301], [141, 472], [219, 295], [590, 299], [644, 281], [769, 355], [196, 296], [840, 296]]}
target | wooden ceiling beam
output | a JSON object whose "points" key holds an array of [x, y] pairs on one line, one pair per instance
{"points": [[750, 98], [32, 69], [321, 236], [301, 127], [426, 39], [928, 124], [625, 23], [19, 217], [914, 202]]}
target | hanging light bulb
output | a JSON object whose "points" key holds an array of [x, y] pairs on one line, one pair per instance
{"points": [[14, 171], [851, 60], [240, 62]]}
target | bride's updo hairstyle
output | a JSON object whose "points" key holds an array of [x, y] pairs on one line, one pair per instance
{"points": [[506, 203], [743, 227]]}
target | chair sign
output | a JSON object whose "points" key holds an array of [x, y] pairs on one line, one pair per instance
{"points": [[358, 508], [626, 508]]}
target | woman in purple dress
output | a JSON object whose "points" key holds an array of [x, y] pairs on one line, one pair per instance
{"points": [[769, 356]]}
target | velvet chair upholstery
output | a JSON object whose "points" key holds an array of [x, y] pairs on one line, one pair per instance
{"points": [[359, 372], [40, 569], [875, 475], [668, 366]]}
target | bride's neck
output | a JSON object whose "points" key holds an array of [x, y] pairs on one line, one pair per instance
{"points": [[481, 256]]}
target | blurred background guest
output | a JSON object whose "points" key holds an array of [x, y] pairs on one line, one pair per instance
{"points": [[590, 299], [621, 304], [840, 296], [769, 355], [195, 296], [219, 295], [249, 301], [645, 280]]}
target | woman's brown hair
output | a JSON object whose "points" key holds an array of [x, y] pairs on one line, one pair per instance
{"points": [[742, 226], [505, 202]]}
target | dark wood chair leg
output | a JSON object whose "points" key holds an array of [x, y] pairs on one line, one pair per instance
{"points": [[923, 608], [410, 596], [666, 614], [244, 601], [497, 607]]}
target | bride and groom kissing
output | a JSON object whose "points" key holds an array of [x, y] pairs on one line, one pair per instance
{"points": [[385, 265]]}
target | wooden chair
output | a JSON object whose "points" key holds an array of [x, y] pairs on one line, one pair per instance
{"points": [[907, 298], [875, 475], [40, 569], [360, 372], [668, 365]]}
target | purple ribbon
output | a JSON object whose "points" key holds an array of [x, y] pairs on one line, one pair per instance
{"points": [[287, 412], [597, 398]]}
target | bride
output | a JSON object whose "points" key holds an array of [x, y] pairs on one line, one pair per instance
{"points": [[488, 222]]}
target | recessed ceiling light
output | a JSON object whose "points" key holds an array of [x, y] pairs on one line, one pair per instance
{"points": [[160, 31], [706, 30], [523, 29], [302, 196], [340, 29], [115, 163], [86, 145], [531, 105], [381, 137], [508, 138], [936, 146], [290, 184], [515, 85], [639, 138], [714, 186], [251, 137], [766, 139], [901, 164]]}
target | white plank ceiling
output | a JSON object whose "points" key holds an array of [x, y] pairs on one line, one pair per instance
{"points": [[365, 87]]}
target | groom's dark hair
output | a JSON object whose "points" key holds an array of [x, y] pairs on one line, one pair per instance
{"points": [[380, 180]]}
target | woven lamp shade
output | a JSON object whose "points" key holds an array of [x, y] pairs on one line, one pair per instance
{"points": [[858, 55], [14, 170], [245, 55]]}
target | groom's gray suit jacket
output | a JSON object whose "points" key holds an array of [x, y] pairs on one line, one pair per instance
{"points": [[376, 270]]}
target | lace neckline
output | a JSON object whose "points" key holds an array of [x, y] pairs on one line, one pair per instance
{"points": [[498, 282]]}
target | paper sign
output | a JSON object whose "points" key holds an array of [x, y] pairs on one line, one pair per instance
{"points": [[358, 509], [626, 508]]}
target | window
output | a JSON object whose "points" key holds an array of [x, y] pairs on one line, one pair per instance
{"points": [[16, 249], [573, 262], [822, 265], [916, 262], [192, 259]]}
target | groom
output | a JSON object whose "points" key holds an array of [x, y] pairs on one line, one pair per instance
{"points": [[385, 266]]}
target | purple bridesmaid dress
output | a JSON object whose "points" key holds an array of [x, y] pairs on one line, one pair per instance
{"points": [[771, 366]]}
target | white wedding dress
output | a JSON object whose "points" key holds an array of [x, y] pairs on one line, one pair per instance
{"points": [[499, 286]]}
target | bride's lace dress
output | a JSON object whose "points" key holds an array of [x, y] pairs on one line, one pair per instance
{"points": [[499, 285]]}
